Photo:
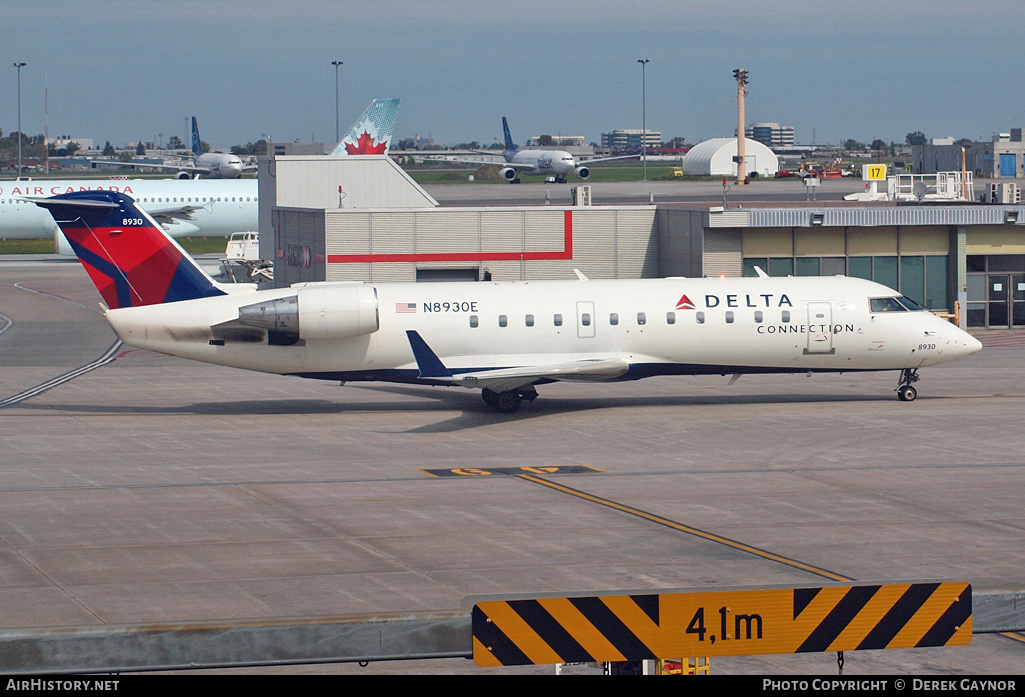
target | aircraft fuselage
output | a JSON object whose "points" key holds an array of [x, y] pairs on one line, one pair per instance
{"points": [[556, 163], [654, 327], [224, 206]]}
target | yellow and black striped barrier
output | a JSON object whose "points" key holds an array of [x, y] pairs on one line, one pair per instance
{"points": [[726, 623]]}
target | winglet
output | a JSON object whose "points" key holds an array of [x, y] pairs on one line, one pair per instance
{"points": [[426, 360]]}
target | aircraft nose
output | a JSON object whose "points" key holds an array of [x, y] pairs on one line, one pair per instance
{"points": [[971, 345]]}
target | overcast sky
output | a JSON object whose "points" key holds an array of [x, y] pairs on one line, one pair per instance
{"points": [[121, 70]]}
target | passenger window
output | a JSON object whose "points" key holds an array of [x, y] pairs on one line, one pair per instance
{"points": [[503, 321], [886, 305], [670, 318], [558, 320], [473, 321], [729, 316], [786, 315], [585, 319], [614, 318], [700, 317], [642, 318], [758, 316], [530, 320]]}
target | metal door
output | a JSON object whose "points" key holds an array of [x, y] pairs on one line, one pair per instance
{"points": [[585, 319], [820, 328], [1007, 164], [1005, 294], [1018, 300], [998, 295]]}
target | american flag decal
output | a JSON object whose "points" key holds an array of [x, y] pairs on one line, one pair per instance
{"points": [[407, 308]]}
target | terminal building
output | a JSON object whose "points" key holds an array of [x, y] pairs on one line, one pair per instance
{"points": [[771, 134], [1002, 157], [631, 139], [362, 218]]}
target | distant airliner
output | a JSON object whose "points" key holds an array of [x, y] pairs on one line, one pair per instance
{"points": [[210, 165], [202, 207], [551, 163], [503, 338], [370, 135]]}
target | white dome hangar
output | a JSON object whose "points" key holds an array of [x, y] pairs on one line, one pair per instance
{"points": [[715, 157]]}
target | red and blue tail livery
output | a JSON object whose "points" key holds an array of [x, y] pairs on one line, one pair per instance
{"points": [[129, 258]]}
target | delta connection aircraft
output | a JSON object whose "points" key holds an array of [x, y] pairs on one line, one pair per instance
{"points": [[503, 337], [200, 207]]}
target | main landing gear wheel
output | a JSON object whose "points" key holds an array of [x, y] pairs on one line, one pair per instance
{"points": [[905, 392], [509, 401]]}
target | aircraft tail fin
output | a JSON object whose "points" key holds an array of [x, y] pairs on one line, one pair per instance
{"points": [[509, 144], [128, 256], [372, 132], [197, 144]]}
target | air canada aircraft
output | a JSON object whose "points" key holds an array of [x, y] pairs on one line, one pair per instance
{"points": [[202, 207], [502, 338], [558, 164], [370, 135]]}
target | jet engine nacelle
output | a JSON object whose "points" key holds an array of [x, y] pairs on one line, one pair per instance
{"points": [[183, 175], [582, 172], [317, 312], [507, 173]]}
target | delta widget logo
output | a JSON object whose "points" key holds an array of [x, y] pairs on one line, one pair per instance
{"points": [[684, 303]]}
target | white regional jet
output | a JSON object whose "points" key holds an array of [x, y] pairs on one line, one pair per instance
{"points": [[551, 163], [503, 337]]}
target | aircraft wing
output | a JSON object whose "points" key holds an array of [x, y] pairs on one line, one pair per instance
{"points": [[499, 162], [502, 379], [166, 215], [191, 169], [608, 159]]}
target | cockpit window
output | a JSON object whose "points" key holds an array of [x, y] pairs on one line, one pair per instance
{"points": [[909, 303], [886, 305]]}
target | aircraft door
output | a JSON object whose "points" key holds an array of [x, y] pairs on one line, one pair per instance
{"points": [[585, 319], [820, 328]]}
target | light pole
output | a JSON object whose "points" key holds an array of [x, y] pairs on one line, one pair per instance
{"points": [[19, 66], [644, 116], [338, 135], [741, 76]]}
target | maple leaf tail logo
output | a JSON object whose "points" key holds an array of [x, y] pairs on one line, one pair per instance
{"points": [[684, 303], [366, 146]]}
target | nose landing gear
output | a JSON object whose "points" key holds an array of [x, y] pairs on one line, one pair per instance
{"points": [[905, 392]]}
